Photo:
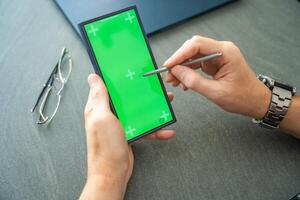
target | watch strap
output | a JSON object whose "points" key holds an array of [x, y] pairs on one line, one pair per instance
{"points": [[280, 102]]}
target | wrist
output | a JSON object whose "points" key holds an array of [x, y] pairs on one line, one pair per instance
{"points": [[101, 169], [106, 183], [103, 187], [290, 122], [260, 98]]}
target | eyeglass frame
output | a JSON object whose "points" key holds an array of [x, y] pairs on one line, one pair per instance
{"points": [[48, 86]]}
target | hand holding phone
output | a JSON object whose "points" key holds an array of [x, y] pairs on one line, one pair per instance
{"points": [[110, 158]]}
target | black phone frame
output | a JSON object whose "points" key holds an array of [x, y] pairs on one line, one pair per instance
{"points": [[96, 66]]}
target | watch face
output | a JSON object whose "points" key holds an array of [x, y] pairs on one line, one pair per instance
{"points": [[294, 91], [266, 80], [270, 83]]}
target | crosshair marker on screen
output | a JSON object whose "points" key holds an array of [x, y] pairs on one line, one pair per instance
{"points": [[93, 30], [130, 74], [129, 18], [164, 115], [130, 131]]}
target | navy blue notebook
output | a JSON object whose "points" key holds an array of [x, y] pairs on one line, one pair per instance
{"points": [[155, 14]]}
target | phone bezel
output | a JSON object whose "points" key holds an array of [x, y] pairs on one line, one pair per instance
{"points": [[96, 66]]}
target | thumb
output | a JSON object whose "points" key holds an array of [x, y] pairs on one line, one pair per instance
{"points": [[193, 80], [98, 96]]}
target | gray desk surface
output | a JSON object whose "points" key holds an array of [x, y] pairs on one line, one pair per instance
{"points": [[215, 155]]}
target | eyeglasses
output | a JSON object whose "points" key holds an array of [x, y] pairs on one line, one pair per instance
{"points": [[50, 96]]}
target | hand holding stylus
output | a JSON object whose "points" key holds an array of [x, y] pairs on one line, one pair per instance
{"points": [[232, 80]]}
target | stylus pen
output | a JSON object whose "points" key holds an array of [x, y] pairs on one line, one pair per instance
{"points": [[196, 61]]}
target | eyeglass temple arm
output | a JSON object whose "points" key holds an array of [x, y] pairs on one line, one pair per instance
{"points": [[51, 80]]}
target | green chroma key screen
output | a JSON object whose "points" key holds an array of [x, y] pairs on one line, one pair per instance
{"points": [[120, 53]]}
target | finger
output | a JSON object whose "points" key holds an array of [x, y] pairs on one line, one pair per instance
{"points": [[175, 83], [193, 80], [170, 96], [161, 135], [196, 45], [183, 87], [98, 97], [171, 79]]}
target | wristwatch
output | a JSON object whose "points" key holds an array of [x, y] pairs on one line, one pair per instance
{"points": [[280, 102]]}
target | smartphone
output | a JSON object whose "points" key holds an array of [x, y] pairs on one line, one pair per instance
{"points": [[120, 53]]}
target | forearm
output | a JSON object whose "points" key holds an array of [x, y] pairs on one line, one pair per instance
{"points": [[103, 188], [291, 122]]}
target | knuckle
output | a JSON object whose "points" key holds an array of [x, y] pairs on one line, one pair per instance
{"points": [[230, 46], [87, 111], [195, 38], [186, 42], [189, 81], [95, 93], [97, 120]]}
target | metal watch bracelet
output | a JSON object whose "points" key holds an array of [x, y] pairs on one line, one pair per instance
{"points": [[280, 102]]}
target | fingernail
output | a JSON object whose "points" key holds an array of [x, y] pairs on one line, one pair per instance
{"points": [[168, 79], [166, 62], [181, 86]]}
